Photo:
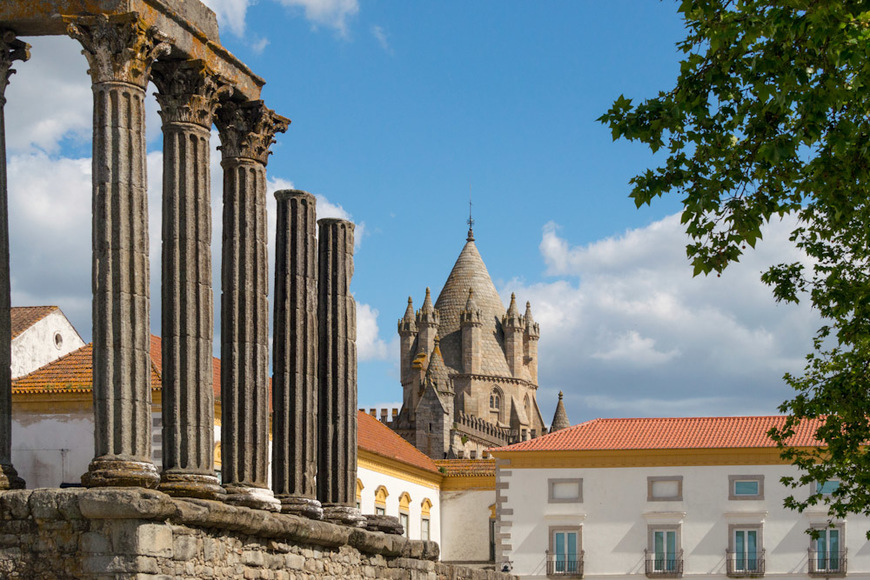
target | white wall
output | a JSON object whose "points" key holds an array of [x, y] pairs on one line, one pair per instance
{"points": [[372, 479], [36, 346], [615, 516], [48, 450], [465, 519]]}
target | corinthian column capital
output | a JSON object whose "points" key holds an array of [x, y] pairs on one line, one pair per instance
{"points": [[248, 129], [118, 48], [11, 49], [188, 91]]}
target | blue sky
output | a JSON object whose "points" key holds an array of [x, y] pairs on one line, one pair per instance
{"points": [[398, 110]]}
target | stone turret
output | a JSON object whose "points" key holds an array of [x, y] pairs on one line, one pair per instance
{"points": [[407, 334], [428, 320], [530, 343], [435, 412], [470, 322], [560, 417], [513, 338]]}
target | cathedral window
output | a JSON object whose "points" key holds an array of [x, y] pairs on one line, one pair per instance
{"points": [[495, 400]]}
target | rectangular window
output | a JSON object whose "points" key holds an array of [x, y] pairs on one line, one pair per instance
{"points": [[827, 487], [565, 490], [664, 550], [424, 529], [565, 555], [379, 511], [403, 519], [746, 549], [669, 488], [745, 487], [828, 557]]}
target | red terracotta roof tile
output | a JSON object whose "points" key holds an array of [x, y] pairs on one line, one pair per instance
{"points": [[73, 372], [23, 317], [668, 433], [466, 467], [377, 438]]}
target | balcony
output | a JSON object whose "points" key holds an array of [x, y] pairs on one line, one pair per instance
{"points": [[565, 566], [744, 565], [826, 564], [664, 566]]}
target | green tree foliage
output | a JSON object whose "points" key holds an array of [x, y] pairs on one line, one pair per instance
{"points": [[770, 116]]}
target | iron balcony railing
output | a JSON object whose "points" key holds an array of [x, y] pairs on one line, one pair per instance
{"points": [[664, 565], [827, 564], [565, 565], [744, 565]]}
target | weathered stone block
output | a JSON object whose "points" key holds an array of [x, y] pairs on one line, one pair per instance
{"points": [[13, 504], [95, 542], [184, 547], [120, 503]]}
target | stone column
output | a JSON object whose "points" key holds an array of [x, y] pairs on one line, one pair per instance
{"points": [[247, 131], [294, 356], [11, 49], [120, 51], [188, 97], [336, 355]]}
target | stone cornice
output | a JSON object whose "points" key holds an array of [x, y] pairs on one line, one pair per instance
{"points": [[118, 48], [247, 130], [189, 91], [494, 378], [11, 49]]}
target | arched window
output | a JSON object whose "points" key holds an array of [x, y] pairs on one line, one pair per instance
{"points": [[405, 513], [425, 509], [495, 399], [381, 494], [359, 488]]}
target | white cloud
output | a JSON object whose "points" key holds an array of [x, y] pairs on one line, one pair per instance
{"points": [[259, 44], [50, 97], [626, 329], [330, 13], [633, 349], [230, 14], [369, 345], [50, 233], [381, 36]]}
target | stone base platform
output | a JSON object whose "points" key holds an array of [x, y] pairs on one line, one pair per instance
{"points": [[134, 533]]}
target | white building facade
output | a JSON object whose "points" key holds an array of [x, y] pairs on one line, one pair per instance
{"points": [[665, 498]]}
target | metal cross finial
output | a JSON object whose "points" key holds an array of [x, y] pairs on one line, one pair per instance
{"points": [[470, 221]]}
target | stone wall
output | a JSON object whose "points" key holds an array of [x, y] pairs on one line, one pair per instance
{"points": [[130, 533]]}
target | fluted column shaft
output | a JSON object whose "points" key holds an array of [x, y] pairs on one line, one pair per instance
{"points": [[294, 355], [188, 99], [120, 52], [337, 399], [11, 49], [246, 133]]}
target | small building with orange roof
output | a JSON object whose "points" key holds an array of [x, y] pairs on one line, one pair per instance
{"points": [[667, 497]]}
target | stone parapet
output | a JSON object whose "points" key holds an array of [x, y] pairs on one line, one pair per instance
{"points": [[138, 533]]}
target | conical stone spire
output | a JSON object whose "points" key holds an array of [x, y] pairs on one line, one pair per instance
{"points": [[471, 313], [533, 329], [560, 418], [436, 374], [427, 314], [512, 318], [407, 325]]}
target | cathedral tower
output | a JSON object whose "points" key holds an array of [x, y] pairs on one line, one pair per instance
{"points": [[469, 366]]}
